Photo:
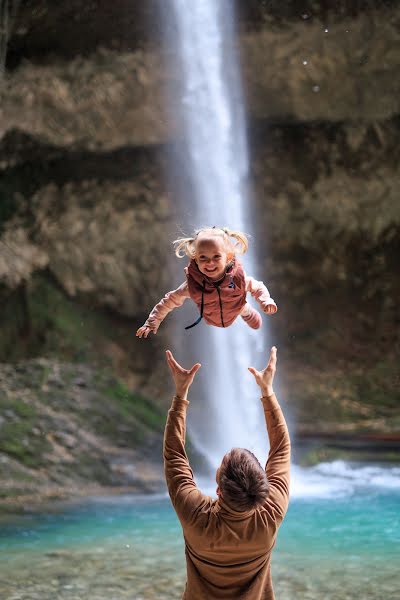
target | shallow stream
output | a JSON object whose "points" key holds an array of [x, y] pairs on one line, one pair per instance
{"points": [[340, 540]]}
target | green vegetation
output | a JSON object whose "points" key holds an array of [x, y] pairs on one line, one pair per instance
{"points": [[314, 456], [364, 397], [129, 404], [20, 436], [380, 385], [38, 319], [124, 417], [77, 416]]}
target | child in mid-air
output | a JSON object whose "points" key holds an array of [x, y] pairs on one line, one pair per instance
{"points": [[215, 280]]}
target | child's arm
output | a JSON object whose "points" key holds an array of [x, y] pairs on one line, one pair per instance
{"points": [[260, 292], [171, 300]]}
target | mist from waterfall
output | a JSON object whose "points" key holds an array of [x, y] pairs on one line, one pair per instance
{"points": [[225, 408]]}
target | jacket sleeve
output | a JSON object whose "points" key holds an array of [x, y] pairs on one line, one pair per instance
{"points": [[278, 463], [171, 300], [259, 291], [185, 496]]}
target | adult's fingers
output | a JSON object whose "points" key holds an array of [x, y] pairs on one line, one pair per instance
{"points": [[177, 367], [272, 359], [170, 356], [173, 363], [170, 359], [170, 363], [194, 369], [254, 371]]}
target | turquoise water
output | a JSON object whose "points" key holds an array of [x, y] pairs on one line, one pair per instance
{"points": [[338, 545]]}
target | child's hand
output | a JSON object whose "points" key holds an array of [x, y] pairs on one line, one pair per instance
{"points": [[143, 331], [269, 309]]}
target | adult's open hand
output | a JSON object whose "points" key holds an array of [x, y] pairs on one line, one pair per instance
{"points": [[265, 378], [183, 378]]}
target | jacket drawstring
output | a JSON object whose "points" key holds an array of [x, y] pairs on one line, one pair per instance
{"points": [[202, 305], [220, 305], [201, 308]]}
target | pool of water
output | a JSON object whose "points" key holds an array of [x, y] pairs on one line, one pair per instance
{"points": [[340, 539]]}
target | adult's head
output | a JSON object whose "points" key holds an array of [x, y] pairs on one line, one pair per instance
{"points": [[242, 482]]}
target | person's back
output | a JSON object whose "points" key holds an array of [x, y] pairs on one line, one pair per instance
{"points": [[229, 557], [228, 542]]}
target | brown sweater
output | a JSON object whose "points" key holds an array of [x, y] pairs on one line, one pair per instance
{"points": [[228, 553]]}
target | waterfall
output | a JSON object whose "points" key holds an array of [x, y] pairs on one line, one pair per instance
{"points": [[225, 408]]}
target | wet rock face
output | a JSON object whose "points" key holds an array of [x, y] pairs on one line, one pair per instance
{"points": [[106, 95], [325, 181], [65, 30], [107, 100], [327, 206], [253, 14], [98, 244], [69, 428], [102, 238], [323, 73]]}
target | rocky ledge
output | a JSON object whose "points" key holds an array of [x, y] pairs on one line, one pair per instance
{"points": [[68, 430]]}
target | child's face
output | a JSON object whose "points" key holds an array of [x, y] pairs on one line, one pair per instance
{"points": [[212, 257]]}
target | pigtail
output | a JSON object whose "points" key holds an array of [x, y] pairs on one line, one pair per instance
{"points": [[186, 245], [242, 243]]}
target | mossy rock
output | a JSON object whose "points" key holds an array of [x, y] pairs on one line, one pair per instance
{"points": [[20, 436], [39, 319], [129, 405]]}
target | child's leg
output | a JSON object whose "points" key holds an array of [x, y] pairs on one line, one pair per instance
{"points": [[251, 316]]}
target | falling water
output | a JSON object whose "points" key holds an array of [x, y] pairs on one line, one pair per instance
{"points": [[226, 411]]}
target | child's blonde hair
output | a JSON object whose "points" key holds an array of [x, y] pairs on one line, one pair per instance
{"points": [[188, 244]]}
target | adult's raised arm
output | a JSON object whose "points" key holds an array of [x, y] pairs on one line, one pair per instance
{"points": [[184, 494], [278, 463]]}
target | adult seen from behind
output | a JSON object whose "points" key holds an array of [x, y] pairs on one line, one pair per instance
{"points": [[228, 541]]}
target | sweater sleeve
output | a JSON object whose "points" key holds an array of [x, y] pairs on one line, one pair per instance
{"points": [[171, 300], [185, 496], [278, 463], [259, 291]]}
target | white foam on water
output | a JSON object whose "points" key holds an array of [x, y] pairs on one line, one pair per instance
{"points": [[336, 479], [341, 478]]}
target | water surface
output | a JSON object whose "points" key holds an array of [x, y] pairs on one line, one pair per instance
{"points": [[340, 540]]}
